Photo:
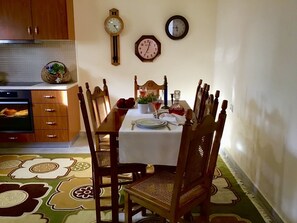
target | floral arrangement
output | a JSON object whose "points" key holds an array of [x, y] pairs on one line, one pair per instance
{"points": [[147, 98]]}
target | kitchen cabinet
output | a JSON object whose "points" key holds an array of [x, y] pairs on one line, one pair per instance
{"points": [[36, 19], [56, 115]]}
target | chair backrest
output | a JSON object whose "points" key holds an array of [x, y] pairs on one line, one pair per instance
{"points": [[99, 103], [152, 87], [197, 156], [87, 125], [201, 99], [205, 103]]}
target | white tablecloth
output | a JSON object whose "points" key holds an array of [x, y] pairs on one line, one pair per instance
{"points": [[151, 146]]}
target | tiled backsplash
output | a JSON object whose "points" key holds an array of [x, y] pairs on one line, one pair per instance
{"points": [[24, 62]]}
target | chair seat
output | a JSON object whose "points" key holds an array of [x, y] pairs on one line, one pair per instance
{"points": [[158, 188]]}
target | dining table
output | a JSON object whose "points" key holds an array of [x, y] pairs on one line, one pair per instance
{"points": [[131, 142]]}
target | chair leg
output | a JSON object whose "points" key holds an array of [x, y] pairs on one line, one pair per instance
{"points": [[96, 191], [128, 208], [204, 210], [188, 217]]}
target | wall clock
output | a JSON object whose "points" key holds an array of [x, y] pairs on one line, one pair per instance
{"points": [[114, 25], [147, 48], [176, 27]]}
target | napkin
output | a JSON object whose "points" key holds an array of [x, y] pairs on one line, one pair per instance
{"points": [[173, 118]]}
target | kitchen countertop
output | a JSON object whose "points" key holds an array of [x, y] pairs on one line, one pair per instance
{"points": [[40, 86]]}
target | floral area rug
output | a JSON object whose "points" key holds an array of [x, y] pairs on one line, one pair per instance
{"points": [[57, 188]]}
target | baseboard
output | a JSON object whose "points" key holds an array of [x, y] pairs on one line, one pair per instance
{"points": [[267, 212]]}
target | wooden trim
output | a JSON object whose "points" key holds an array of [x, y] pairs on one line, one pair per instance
{"points": [[73, 113]]}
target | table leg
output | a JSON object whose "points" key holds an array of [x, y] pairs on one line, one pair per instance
{"points": [[114, 179]]}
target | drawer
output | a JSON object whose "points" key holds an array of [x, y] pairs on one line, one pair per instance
{"points": [[49, 110], [17, 137], [51, 136], [54, 97], [50, 122]]}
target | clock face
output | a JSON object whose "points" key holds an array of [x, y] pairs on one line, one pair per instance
{"points": [[147, 48], [176, 27], [114, 25]]}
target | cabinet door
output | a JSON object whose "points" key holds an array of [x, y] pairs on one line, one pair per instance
{"points": [[49, 19], [15, 20]]}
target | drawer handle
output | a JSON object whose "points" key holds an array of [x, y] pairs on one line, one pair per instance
{"points": [[49, 96], [50, 123], [13, 138], [36, 30], [51, 136], [49, 110], [29, 30]]}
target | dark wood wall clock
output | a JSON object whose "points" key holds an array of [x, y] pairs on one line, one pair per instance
{"points": [[177, 27], [114, 25], [147, 48]]}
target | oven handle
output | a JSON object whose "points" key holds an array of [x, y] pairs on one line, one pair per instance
{"points": [[14, 102]]}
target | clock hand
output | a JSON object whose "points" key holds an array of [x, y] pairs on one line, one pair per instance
{"points": [[115, 27], [147, 47]]}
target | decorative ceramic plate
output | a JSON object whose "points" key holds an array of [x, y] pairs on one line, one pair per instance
{"points": [[150, 123]]}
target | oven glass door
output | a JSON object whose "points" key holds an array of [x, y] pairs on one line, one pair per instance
{"points": [[15, 116]]}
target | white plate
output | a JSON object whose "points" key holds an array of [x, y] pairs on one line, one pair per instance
{"points": [[150, 123]]}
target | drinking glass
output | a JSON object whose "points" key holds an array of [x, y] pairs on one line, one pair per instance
{"points": [[142, 91], [157, 104]]}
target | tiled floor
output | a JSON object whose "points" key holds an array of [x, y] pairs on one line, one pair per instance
{"points": [[80, 145]]}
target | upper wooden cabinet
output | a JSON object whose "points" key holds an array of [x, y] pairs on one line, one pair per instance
{"points": [[36, 19]]}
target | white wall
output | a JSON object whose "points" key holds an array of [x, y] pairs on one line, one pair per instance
{"points": [[255, 68], [184, 61]]}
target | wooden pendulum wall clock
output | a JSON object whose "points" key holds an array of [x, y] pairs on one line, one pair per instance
{"points": [[113, 26]]}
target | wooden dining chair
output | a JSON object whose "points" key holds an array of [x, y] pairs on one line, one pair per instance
{"points": [[100, 169], [174, 195], [99, 107], [151, 87]]}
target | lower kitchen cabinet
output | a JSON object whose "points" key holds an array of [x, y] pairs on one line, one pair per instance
{"points": [[56, 115]]}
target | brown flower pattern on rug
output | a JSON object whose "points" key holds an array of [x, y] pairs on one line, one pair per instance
{"points": [[18, 199]]}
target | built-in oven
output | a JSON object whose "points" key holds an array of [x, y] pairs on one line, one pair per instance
{"points": [[16, 114]]}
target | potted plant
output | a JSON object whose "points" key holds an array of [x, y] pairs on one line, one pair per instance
{"points": [[150, 98], [146, 101], [142, 104]]}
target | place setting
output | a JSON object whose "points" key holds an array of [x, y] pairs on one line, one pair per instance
{"points": [[158, 117]]}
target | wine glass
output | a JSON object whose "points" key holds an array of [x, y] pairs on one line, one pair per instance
{"points": [[157, 104], [142, 91]]}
